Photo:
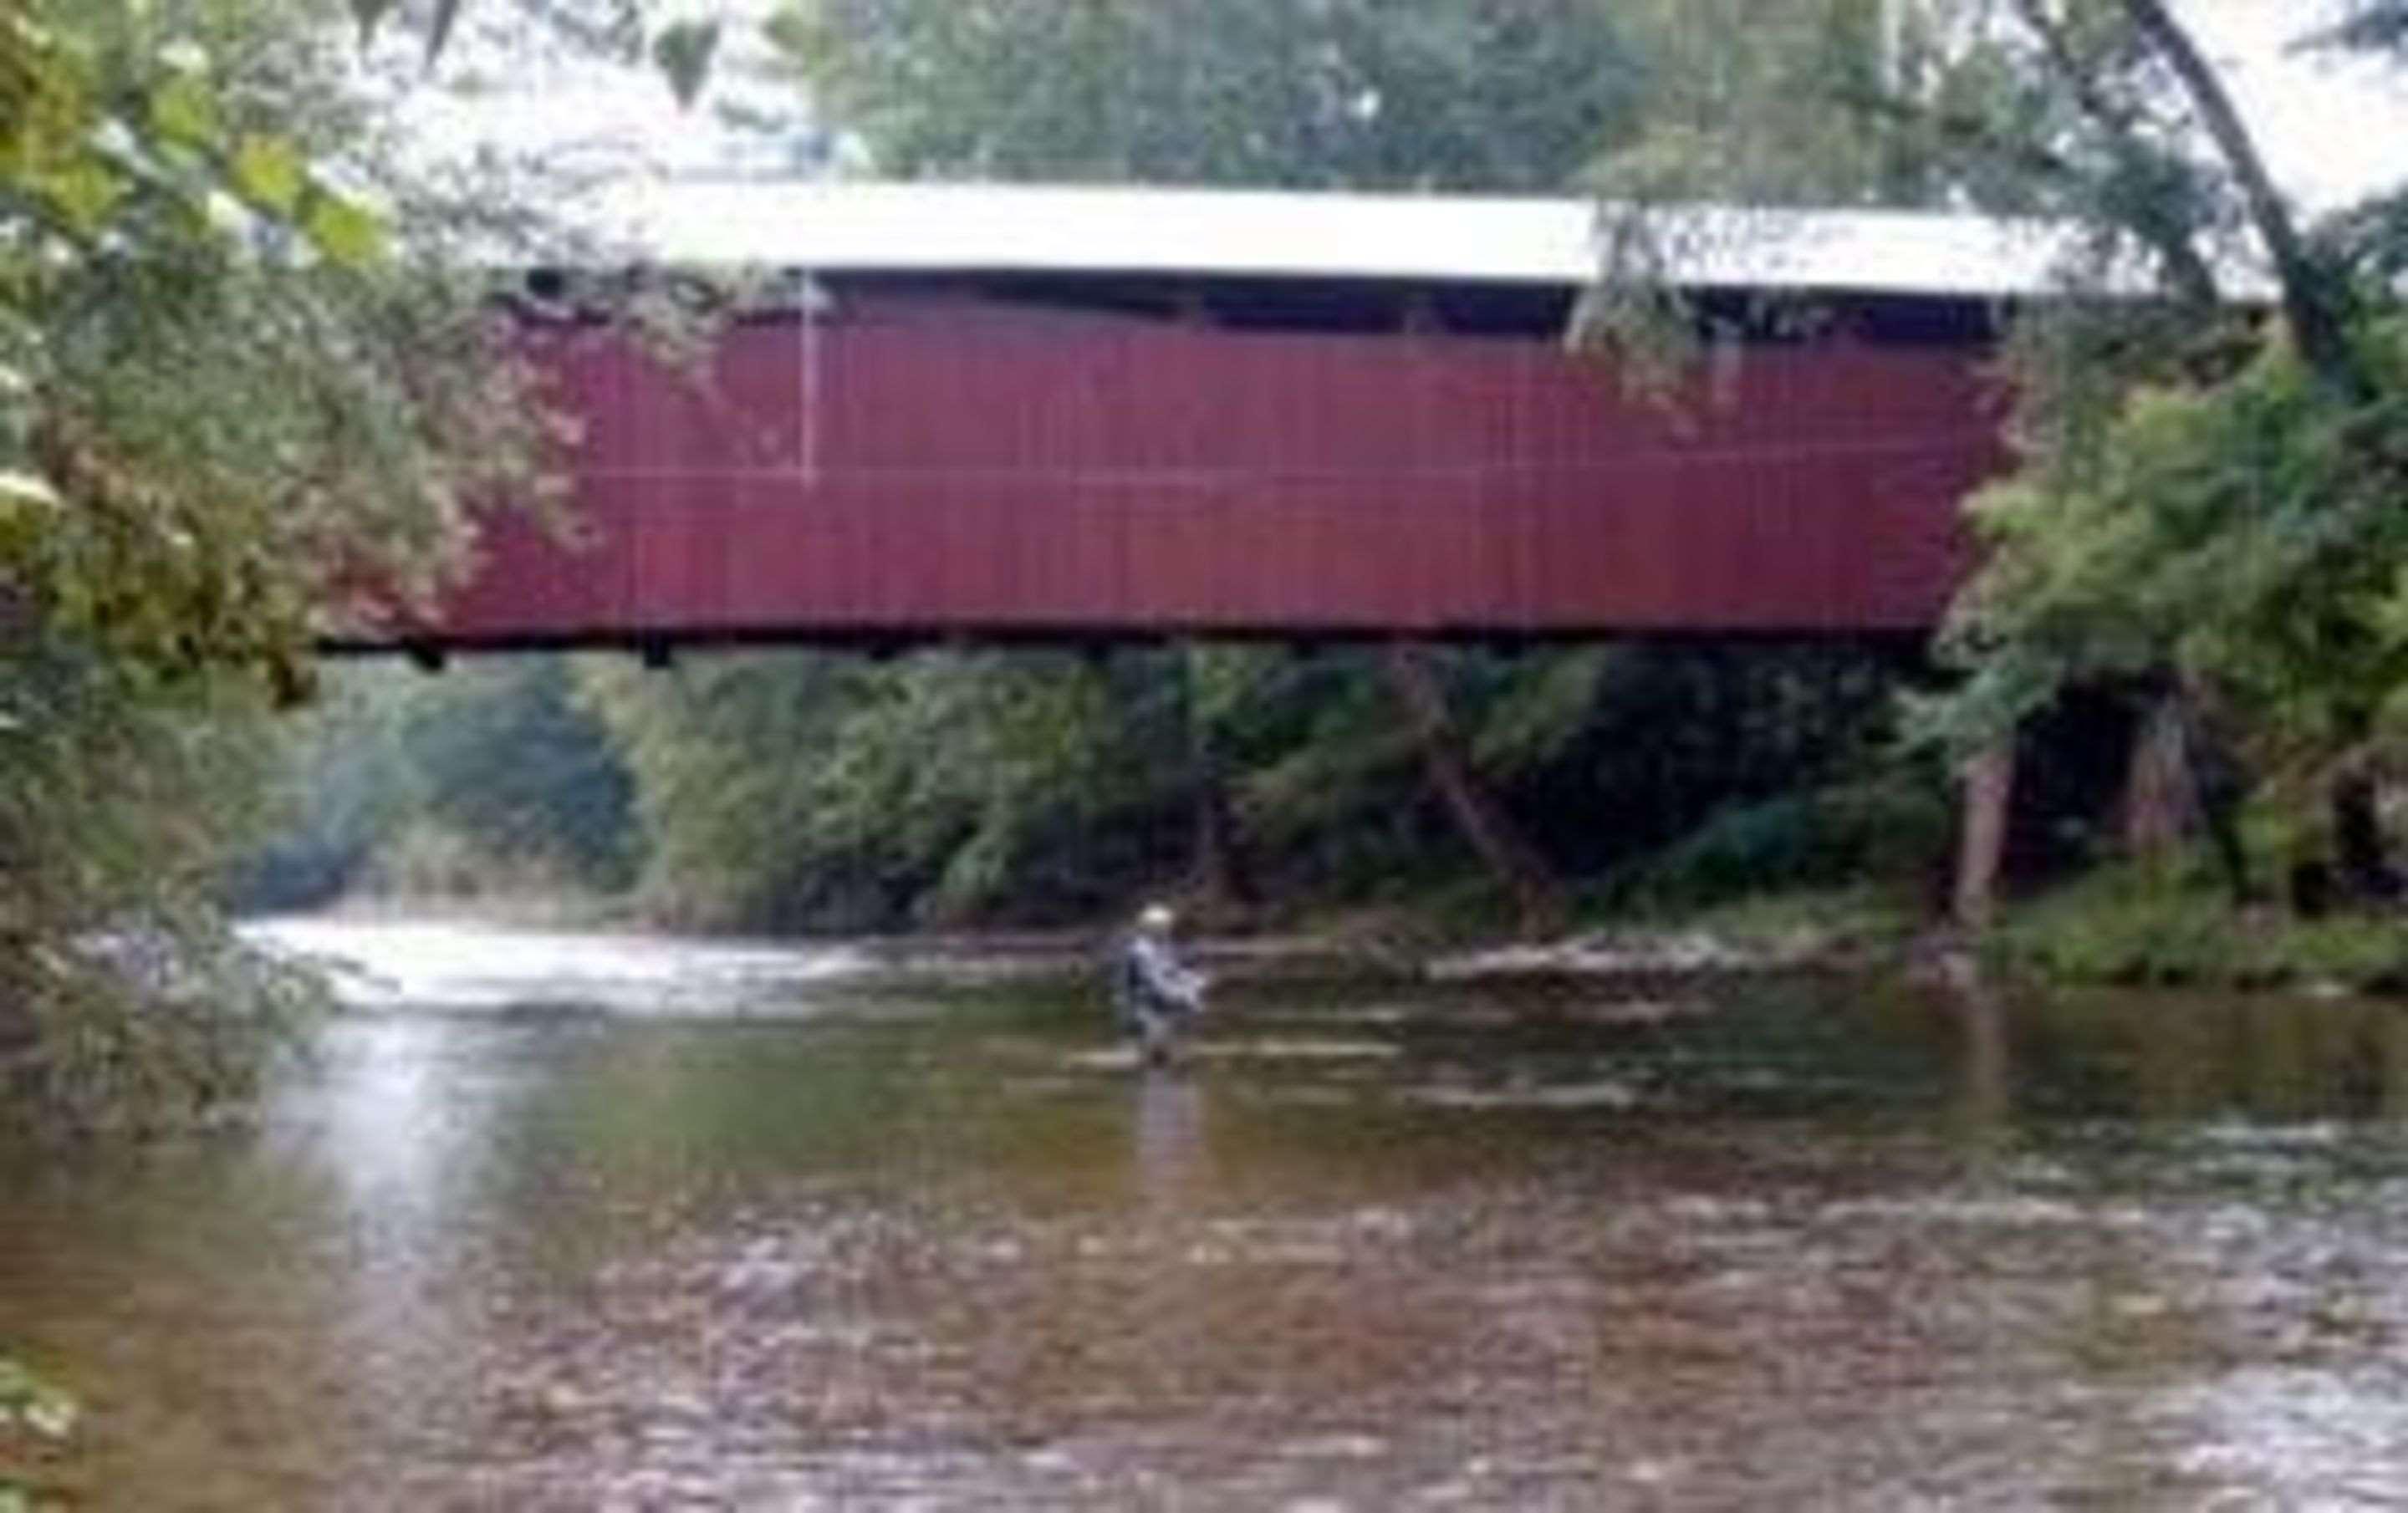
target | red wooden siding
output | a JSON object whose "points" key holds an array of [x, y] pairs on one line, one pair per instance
{"points": [[929, 469]]}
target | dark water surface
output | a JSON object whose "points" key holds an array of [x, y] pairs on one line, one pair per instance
{"points": [[791, 1244]]}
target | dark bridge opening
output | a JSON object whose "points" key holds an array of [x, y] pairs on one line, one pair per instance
{"points": [[1345, 305]]}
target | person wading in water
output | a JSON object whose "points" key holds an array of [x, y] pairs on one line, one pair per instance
{"points": [[1153, 995]]}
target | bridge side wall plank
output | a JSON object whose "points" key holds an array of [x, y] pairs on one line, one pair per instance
{"points": [[963, 470]]}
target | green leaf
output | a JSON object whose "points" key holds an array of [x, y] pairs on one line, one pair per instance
{"points": [[84, 192], [269, 172], [344, 232], [184, 111], [683, 52]]}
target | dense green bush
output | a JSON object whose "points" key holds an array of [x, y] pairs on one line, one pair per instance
{"points": [[1893, 829], [123, 997], [2174, 926]]}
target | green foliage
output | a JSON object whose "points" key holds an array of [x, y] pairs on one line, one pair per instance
{"points": [[2055, 109], [1825, 837], [1671, 735], [1874, 911], [342, 788], [123, 998], [813, 791], [2137, 926], [2050, 112], [1349, 94], [506, 753], [124, 128], [2246, 532], [489, 777], [248, 392], [250, 403], [1604, 753], [683, 52], [1745, 100], [2205, 499], [1324, 777], [834, 792]]}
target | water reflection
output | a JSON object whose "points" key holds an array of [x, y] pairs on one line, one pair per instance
{"points": [[1985, 1097], [396, 1141], [1174, 1162], [2176, 1059], [1825, 1244]]}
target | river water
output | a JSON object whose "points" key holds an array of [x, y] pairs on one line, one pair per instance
{"points": [[584, 1222]]}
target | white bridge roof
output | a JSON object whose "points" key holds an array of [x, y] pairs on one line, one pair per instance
{"points": [[1409, 237]]}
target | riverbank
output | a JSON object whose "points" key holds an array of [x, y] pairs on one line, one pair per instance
{"points": [[1851, 929], [2113, 928], [2108, 930], [2116, 929]]}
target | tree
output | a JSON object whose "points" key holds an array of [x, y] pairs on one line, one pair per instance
{"points": [[2191, 502], [498, 764], [2248, 480], [812, 791], [1468, 94], [248, 388]]}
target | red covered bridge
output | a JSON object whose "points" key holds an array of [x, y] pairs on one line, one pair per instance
{"points": [[1092, 414]]}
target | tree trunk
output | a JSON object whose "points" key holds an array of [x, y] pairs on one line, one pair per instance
{"points": [[2359, 852], [1538, 895], [2314, 302], [2360, 865], [2218, 782], [2160, 802], [2184, 781], [1989, 787], [1217, 875], [1213, 873], [2193, 279], [1216, 880], [2317, 305]]}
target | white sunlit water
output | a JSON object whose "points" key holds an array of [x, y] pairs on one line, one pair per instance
{"points": [[469, 968]]}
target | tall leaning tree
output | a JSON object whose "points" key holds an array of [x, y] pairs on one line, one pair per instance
{"points": [[2207, 411]]}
